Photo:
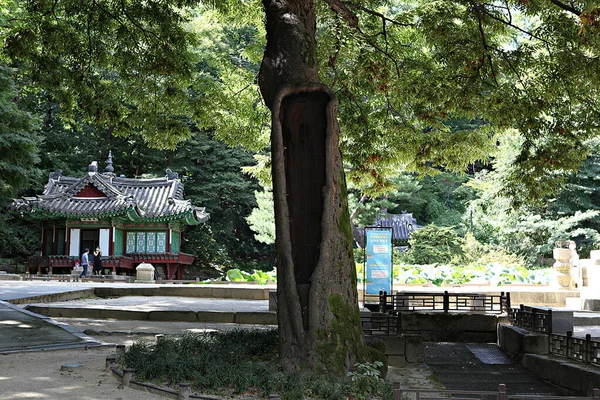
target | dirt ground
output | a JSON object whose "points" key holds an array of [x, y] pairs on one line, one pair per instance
{"points": [[38, 375]]}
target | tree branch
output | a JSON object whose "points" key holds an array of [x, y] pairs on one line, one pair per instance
{"points": [[509, 23], [486, 53], [566, 7], [340, 8], [377, 14]]}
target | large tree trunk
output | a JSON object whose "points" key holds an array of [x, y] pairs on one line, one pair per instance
{"points": [[319, 322]]}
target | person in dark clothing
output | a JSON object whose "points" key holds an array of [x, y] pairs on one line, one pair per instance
{"points": [[97, 262]]}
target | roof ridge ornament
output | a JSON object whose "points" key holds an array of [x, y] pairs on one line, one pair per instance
{"points": [[109, 163], [56, 174], [171, 175], [93, 167]]}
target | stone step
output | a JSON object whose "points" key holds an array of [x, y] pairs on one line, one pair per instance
{"points": [[584, 304], [586, 319], [223, 317]]}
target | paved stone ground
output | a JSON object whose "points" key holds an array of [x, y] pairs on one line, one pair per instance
{"points": [[164, 303], [20, 330], [458, 368]]}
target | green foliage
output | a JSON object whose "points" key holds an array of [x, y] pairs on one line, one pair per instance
{"points": [[260, 277], [18, 140], [433, 244], [531, 230], [492, 273], [126, 66], [239, 362], [262, 218], [366, 377], [439, 199], [213, 178]]}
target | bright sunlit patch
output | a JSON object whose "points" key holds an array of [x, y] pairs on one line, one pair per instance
{"points": [[200, 330], [3, 378], [25, 326], [41, 378], [9, 322], [28, 395]]}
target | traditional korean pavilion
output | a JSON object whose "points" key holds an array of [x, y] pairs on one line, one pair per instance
{"points": [[131, 220]]}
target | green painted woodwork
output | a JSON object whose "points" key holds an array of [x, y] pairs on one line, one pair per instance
{"points": [[118, 242], [161, 242], [145, 242], [140, 242], [130, 244], [150, 242], [175, 242]]}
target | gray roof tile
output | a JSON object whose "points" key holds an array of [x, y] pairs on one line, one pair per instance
{"points": [[149, 198]]}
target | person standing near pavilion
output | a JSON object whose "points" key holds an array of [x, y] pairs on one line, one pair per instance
{"points": [[97, 262], [85, 262]]}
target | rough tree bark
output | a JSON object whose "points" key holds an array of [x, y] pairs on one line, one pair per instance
{"points": [[319, 321]]}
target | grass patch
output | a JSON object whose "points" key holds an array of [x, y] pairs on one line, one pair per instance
{"points": [[240, 362]]}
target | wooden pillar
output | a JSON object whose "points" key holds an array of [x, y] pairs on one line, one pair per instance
{"points": [[111, 241], [44, 240], [67, 239], [54, 240]]}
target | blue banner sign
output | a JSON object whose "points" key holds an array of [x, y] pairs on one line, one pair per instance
{"points": [[378, 260]]}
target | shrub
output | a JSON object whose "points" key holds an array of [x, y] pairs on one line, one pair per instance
{"points": [[243, 362], [434, 245]]}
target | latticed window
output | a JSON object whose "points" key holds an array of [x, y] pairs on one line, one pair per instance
{"points": [[146, 242]]}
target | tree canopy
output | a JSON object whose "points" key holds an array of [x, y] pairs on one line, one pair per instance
{"points": [[402, 70]]}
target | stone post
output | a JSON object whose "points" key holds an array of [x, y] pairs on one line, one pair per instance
{"points": [[562, 267], [127, 376], [110, 361], [120, 350], [144, 273], [184, 391]]}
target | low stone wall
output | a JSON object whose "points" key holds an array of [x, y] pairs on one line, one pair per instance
{"points": [[518, 341], [531, 350], [451, 327], [224, 292], [9, 277], [250, 318], [402, 349], [577, 378]]}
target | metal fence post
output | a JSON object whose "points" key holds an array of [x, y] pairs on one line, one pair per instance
{"points": [[569, 343], [520, 315], [446, 301], [508, 300], [587, 356], [382, 301], [502, 392], [549, 331]]}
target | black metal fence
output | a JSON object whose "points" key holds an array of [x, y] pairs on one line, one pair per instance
{"points": [[531, 318], [583, 350], [535, 319], [379, 324], [445, 302]]}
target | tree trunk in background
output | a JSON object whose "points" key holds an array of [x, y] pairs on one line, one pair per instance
{"points": [[319, 321]]}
